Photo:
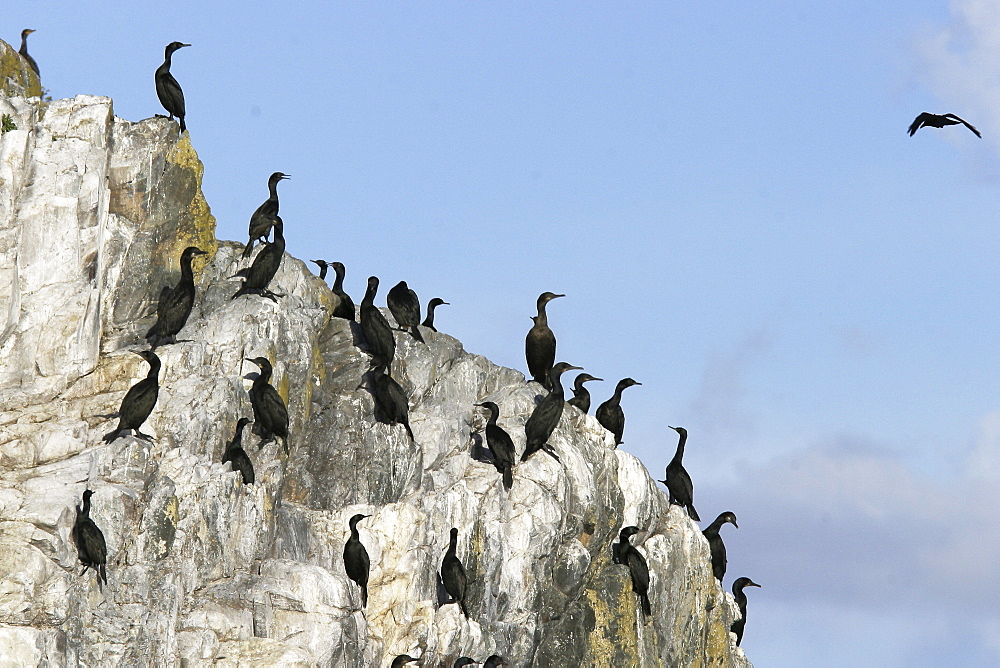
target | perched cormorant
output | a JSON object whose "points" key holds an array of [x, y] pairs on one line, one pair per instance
{"points": [[323, 266], [610, 413], [24, 50], [375, 328], [356, 561], [581, 397], [453, 574], [391, 403], [269, 412], [345, 307], [715, 544], [266, 214], [431, 305], [167, 89], [258, 275], [237, 456], [540, 344], [405, 308], [500, 444], [938, 121], [493, 661], [175, 303], [545, 418], [402, 660], [678, 481], [89, 541], [139, 400], [741, 601], [638, 569]]}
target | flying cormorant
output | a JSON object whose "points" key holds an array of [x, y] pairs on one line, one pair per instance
{"points": [[678, 481], [431, 305], [581, 397], [237, 456], [463, 661], [89, 541], [629, 556], [402, 660], [500, 444], [545, 418], [356, 561], [493, 661], [391, 403], [610, 413], [405, 308], [938, 121], [258, 275], [540, 344], [453, 574], [715, 544], [167, 89], [139, 400], [175, 303], [24, 51], [741, 601], [269, 412], [375, 328], [266, 214]]}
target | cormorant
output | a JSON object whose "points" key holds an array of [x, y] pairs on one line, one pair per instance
{"points": [[89, 541], [581, 397], [167, 89], [356, 561], [431, 305], [402, 660], [24, 51], [453, 574], [139, 400], [391, 403], [405, 308], [237, 456], [323, 266], [637, 567], [269, 412], [258, 275], [375, 328], [678, 481], [715, 544], [175, 303], [938, 121], [610, 413], [266, 214], [463, 661], [500, 444], [540, 344], [741, 601], [345, 307], [545, 418], [493, 661]]}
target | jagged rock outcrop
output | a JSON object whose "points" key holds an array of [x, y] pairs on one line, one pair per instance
{"points": [[94, 213]]}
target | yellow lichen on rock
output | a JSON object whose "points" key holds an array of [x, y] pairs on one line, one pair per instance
{"points": [[16, 76]]}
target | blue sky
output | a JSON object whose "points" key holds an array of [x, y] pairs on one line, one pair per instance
{"points": [[728, 197]]}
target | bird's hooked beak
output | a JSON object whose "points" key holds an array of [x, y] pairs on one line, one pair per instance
{"points": [[29, 31], [753, 584], [733, 522], [183, 45]]}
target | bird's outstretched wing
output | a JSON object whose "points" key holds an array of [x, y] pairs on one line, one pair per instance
{"points": [[919, 122], [965, 123]]}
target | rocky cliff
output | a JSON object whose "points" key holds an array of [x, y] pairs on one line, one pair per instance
{"points": [[94, 213]]}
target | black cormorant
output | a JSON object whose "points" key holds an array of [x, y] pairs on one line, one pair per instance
{"points": [[405, 308], [540, 344], [715, 544], [402, 660], [391, 403], [24, 51], [500, 444], [167, 89], [269, 412], [678, 481], [323, 266], [345, 307], [266, 214], [356, 561], [431, 305], [463, 661], [89, 541], [175, 303], [938, 121], [610, 413], [545, 418], [493, 661], [741, 602], [258, 275], [139, 400], [453, 574], [629, 556], [237, 456], [375, 328], [581, 397]]}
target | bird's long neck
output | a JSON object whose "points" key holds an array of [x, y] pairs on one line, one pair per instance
{"points": [[86, 507], [264, 377], [741, 600], [237, 441], [354, 531], [679, 455], [279, 234], [24, 45], [542, 320], [187, 273], [715, 526], [616, 398], [494, 415], [272, 189], [338, 283], [452, 547], [154, 368], [555, 380], [370, 295], [322, 272]]}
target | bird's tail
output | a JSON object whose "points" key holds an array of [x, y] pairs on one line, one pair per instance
{"points": [[692, 513], [646, 609], [103, 573], [241, 291], [183, 127], [417, 335], [409, 431], [248, 250], [508, 477], [364, 596], [461, 604]]}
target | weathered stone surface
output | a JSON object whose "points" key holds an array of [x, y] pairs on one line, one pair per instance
{"points": [[94, 212], [16, 76]]}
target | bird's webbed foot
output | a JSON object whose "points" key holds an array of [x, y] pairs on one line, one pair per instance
{"points": [[145, 437], [551, 451]]}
